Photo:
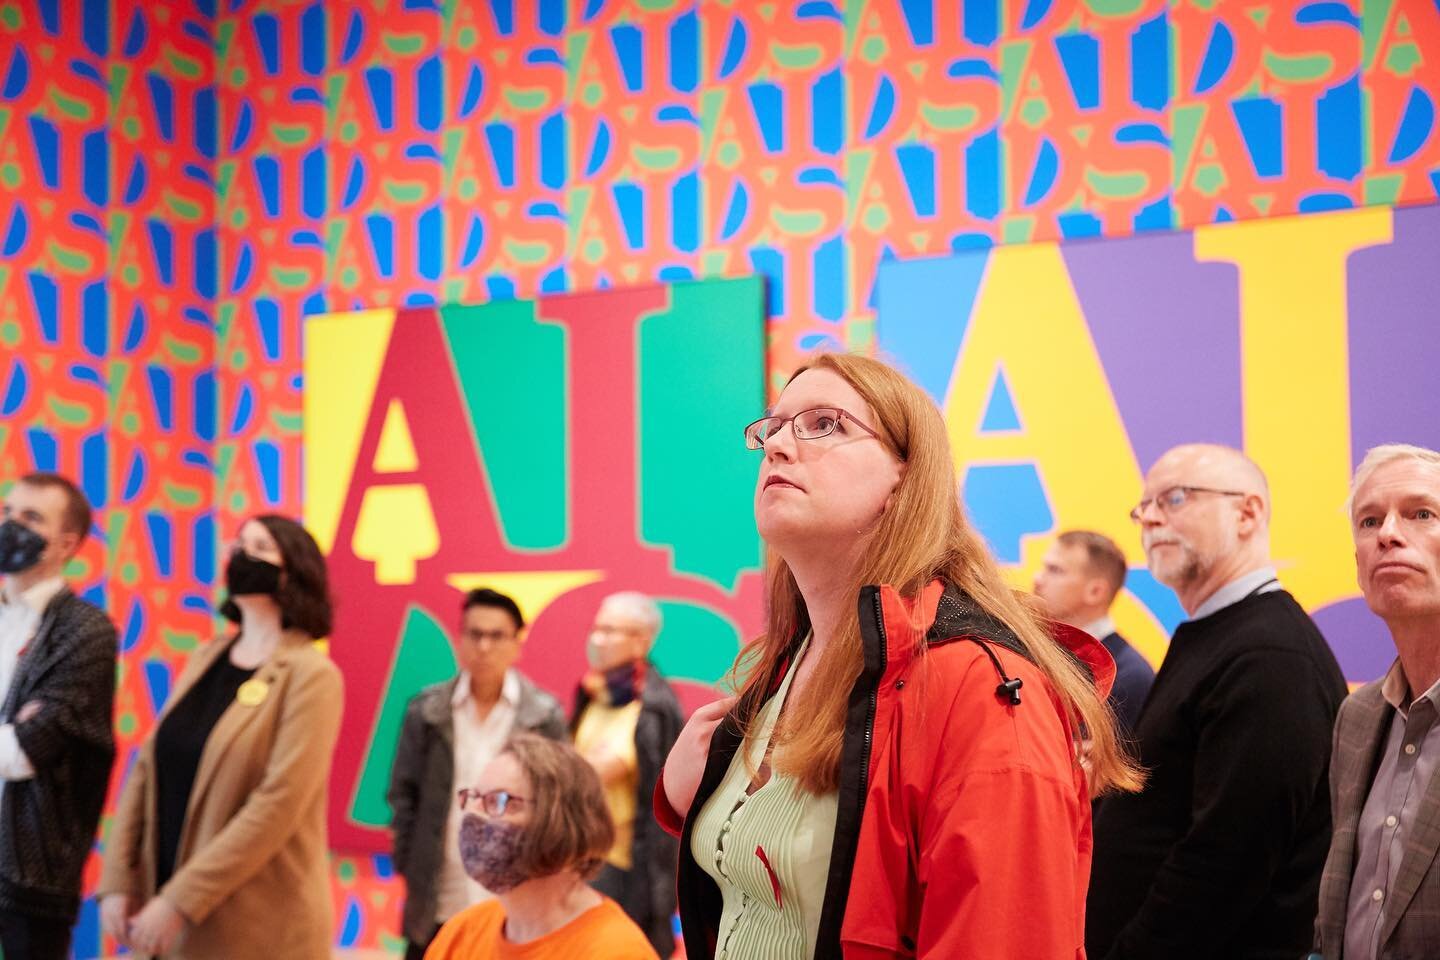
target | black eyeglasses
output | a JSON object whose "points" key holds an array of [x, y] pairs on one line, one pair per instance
{"points": [[807, 424], [1174, 498], [495, 803]]}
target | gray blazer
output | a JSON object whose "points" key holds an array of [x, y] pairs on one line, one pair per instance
{"points": [[422, 788], [1411, 930]]}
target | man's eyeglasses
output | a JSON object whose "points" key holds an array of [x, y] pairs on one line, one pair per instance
{"points": [[807, 424], [495, 803], [491, 637], [1173, 499]]}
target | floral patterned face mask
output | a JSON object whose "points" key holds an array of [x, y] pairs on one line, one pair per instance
{"points": [[488, 851]]}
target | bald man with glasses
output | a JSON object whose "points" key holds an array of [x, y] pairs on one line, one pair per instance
{"points": [[1220, 855]]}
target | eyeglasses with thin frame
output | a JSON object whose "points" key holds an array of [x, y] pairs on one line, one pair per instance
{"points": [[495, 803], [489, 637], [1169, 500], [807, 424]]}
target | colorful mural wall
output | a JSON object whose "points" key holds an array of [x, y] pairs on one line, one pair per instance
{"points": [[182, 182]]}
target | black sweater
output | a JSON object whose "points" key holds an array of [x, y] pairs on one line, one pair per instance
{"points": [[1220, 855]]}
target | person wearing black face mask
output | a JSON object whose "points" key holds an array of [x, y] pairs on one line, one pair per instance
{"points": [[221, 826], [626, 719], [57, 688]]}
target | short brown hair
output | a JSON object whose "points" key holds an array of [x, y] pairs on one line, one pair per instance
{"points": [[570, 826], [78, 515], [1103, 556], [304, 595]]}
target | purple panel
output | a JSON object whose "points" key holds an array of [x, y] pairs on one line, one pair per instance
{"points": [[1168, 332], [1360, 639], [1394, 301]]}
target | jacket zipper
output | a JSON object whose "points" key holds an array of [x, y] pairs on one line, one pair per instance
{"points": [[874, 703]]}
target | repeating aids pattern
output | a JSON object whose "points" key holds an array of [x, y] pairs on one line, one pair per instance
{"points": [[182, 182]]}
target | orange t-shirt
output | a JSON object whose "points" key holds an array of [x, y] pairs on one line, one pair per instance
{"points": [[603, 932]]}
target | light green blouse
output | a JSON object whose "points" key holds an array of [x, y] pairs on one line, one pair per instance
{"points": [[769, 851]]}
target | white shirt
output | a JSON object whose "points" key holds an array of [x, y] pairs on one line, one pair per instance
{"points": [[477, 741], [1100, 629], [1257, 581], [19, 618]]}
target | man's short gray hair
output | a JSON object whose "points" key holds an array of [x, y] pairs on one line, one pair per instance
{"points": [[1386, 453], [637, 606]]}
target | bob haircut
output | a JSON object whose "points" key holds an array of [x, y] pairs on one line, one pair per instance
{"points": [[304, 594], [570, 826], [921, 536]]}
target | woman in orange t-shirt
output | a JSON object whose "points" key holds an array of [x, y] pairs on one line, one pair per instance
{"points": [[541, 832]]}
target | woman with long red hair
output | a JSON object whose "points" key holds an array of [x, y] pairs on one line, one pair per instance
{"points": [[907, 768]]}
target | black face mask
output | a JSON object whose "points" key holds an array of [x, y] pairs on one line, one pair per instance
{"points": [[246, 576], [20, 547]]}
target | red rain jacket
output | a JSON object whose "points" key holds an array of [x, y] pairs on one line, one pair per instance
{"points": [[963, 830]]}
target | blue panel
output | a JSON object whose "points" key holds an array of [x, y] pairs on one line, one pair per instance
{"points": [[504, 11], [1005, 502], [134, 477], [430, 243], [1035, 11], [1219, 53], [1000, 413], [313, 183], [1415, 126], [920, 20], [135, 332], [980, 20], [555, 281], [429, 95], [982, 176], [354, 183], [207, 272], [735, 212], [162, 395], [917, 165], [830, 285], [244, 409], [1338, 131], [44, 451], [95, 318], [95, 468], [474, 240], [882, 109], [45, 296], [312, 39], [1042, 177], [553, 150], [630, 204], [15, 236], [134, 626], [267, 464], [1080, 56], [827, 112], [95, 26], [1261, 120], [629, 52], [47, 149], [1159, 215], [267, 321], [599, 150], [96, 166], [770, 263], [735, 46], [17, 77], [1150, 63], [135, 38], [16, 388], [474, 90], [244, 124], [244, 266], [1324, 202], [381, 87], [685, 213], [768, 104], [267, 37], [381, 231], [203, 558], [205, 136], [500, 288], [685, 52], [162, 98], [1078, 225], [267, 178], [501, 138], [351, 924], [50, 16], [157, 682], [162, 542], [924, 310], [204, 412], [552, 17]]}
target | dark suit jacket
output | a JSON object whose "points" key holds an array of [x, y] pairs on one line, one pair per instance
{"points": [[47, 823], [1411, 929], [1133, 678], [422, 788]]}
